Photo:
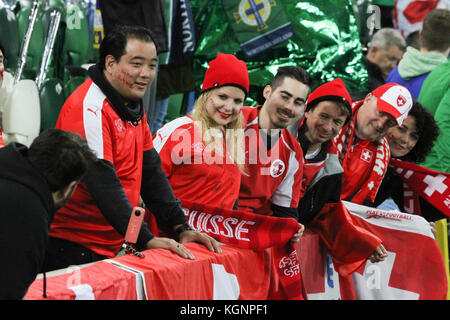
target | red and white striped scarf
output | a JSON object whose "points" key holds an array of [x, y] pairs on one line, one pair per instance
{"points": [[431, 185], [344, 141]]}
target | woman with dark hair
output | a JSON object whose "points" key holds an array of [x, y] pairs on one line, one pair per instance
{"points": [[410, 142], [414, 139]]}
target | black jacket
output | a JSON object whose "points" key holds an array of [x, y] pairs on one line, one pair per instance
{"points": [[375, 79], [26, 212], [145, 13], [326, 185]]}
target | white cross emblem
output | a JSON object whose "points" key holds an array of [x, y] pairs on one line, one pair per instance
{"points": [[366, 155], [374, 283], [435, 184]]}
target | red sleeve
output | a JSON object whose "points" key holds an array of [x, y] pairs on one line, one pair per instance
{"points": [[290, 189], [174, 142], [349, 244]]}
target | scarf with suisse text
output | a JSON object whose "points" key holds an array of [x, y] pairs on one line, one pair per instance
{"points": [[257, 232]]}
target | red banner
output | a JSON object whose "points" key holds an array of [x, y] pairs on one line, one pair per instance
{"points": [[254, 231], [414, 268]]}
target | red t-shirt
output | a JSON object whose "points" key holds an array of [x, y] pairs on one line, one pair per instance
{"points": [[89, 113], [195, 173], [275, 175]]}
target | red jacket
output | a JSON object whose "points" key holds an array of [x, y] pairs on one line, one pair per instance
{"points": [[275, 175], [89, 113], [194, 173]]}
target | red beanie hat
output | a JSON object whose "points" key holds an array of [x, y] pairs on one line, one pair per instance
{"points": [[228, 70], [335, 91]]}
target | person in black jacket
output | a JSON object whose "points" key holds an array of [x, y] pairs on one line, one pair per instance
{"points": [[34, 183], [385, 50], [411, 142]]}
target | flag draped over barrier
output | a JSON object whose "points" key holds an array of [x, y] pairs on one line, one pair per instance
{"points": [[413, 270], [260, 263]]}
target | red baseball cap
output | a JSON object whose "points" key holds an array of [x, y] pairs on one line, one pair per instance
{"points": [[395, 100], [226, 70]]}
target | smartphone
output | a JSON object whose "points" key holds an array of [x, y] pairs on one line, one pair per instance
{"points": [[134, 225]]}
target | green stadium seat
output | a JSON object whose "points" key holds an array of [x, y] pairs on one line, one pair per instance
{"points": [[76, 71], [25, 3], [72, 84], [29, 73], [77, 35], [52, 97], [174, 107], [56, 4], [10, 38]]}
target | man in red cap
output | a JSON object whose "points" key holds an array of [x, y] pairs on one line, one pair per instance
{"points": [[274, 158], [362, 147], [107, 111]]}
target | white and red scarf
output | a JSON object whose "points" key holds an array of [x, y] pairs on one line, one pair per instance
{"points": [[366, 188], [431, 185]]}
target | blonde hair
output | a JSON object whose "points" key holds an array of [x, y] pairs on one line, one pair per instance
{"points": [[233, 132]]}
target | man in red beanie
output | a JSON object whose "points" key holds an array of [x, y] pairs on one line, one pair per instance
{"points": [[273, 156], [362, 147], [107, 111], [327, 111]]}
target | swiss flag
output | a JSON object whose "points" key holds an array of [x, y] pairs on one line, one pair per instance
{"points": [[409, 14], [401, 101], [414, 268], [98, 281]]}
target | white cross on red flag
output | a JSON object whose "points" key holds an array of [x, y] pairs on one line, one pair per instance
{"points": [[432, 185]]}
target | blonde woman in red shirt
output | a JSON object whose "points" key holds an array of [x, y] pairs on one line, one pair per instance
{"points": [[202, 154]]}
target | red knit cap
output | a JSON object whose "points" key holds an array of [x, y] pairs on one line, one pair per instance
{"points": [[226, 69], [335, 91]]}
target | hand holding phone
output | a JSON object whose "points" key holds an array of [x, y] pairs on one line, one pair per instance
{"points": [[134, 225]]}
